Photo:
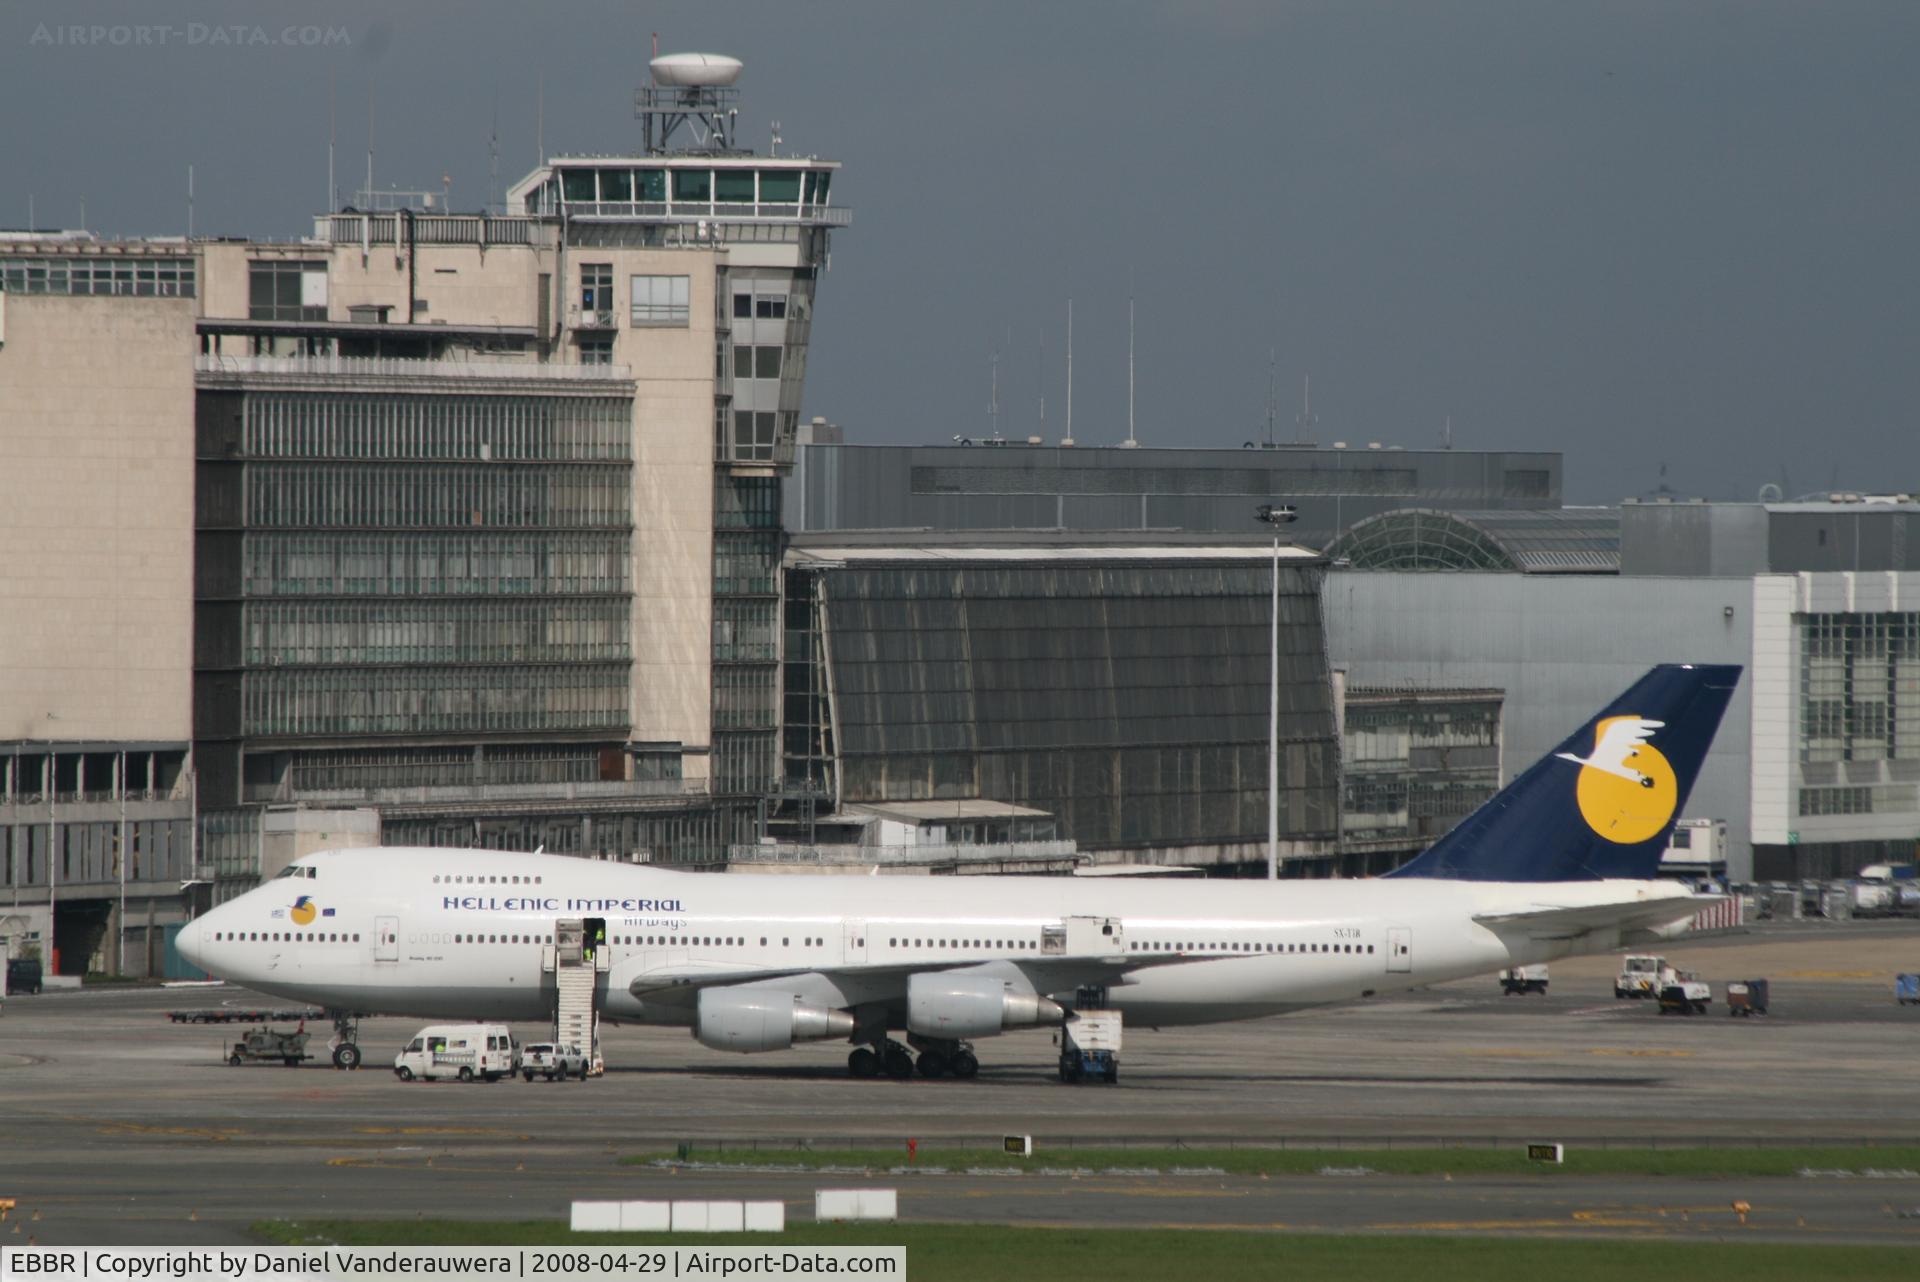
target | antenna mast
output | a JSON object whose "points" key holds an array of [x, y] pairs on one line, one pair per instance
{"points": [[333, 187], [993, 393], [369, 200], [1069, 437], [493, 155], [1273, 366], [1041, 379], [1131, 442], [1306, 419]]}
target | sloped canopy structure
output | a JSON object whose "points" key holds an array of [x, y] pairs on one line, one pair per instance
{"points": [[1577, 540]]}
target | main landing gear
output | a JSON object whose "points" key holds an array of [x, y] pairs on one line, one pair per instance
{"points": [[937, 1057], [346, 1038], [886, 1057]]}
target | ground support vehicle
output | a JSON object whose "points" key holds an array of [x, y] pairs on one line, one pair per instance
{"points": [[1747, 997], [237, 1015], [1090, 1047], [23, 976], [1683, 994], [1639, 976], [1523, 979], [555, 1061], [263, 1045], [462, 1051], [1906, 989]]}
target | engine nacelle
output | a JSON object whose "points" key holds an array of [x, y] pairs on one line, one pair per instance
{"points": [[960, 1006], [757, 1019]]}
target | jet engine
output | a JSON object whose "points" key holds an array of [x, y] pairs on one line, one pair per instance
{"points": [[953, 1006], [759, 1019]]}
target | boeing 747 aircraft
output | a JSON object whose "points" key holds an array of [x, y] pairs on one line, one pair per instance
{"points": [[1562, 861]]}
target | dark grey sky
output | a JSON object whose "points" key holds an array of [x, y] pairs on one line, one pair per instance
{"points": [[1645, 233]]}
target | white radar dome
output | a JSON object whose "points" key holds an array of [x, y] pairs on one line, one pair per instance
{"points": [[690, 70]]}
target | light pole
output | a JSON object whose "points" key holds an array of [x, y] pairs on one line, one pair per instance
{"points": [[1276, 515]]}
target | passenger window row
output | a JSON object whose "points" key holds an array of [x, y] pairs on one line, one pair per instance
{"points": [[285, 936], [476, 880]]}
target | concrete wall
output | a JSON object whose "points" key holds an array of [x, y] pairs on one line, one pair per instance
{"points": [[672, 500], [96, 512], [1560, 647], [1721, 539], [672, 562], [984, 487]]}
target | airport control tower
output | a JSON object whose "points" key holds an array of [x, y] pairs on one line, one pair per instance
{"points": [[751, 233]]}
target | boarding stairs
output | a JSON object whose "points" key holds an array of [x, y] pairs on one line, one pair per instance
{"points": [[576, 961]]}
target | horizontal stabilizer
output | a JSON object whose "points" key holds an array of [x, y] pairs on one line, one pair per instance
{"points": [[1549, 924]]}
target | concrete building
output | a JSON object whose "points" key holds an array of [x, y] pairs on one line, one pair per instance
{"points": [[467, 519], [989, 486], [1117, 683], [1816, 771], [96, 600], [1414, 762]]}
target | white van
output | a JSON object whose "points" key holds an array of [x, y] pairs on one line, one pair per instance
{"points": [[463, 1051]]}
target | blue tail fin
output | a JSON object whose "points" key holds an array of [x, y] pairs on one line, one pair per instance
{"points": [[1604, 803]]}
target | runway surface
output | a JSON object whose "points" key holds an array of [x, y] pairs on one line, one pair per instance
{"points": [[119, 1127]]}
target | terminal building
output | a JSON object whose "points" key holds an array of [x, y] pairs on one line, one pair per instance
{"points": [[1116, 684], [1816, 770], [503, 529], [1040, 486], [467, 524]]}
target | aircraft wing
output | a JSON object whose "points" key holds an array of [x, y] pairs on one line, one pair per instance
{"points": [[1573, 923], [889, 980]]}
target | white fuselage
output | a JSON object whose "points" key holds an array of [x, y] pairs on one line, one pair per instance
{"points": [[462, 934]]}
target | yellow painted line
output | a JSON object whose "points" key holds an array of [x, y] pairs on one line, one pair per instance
{"points": [[1469, 1226], [1506, 1052], [1834, 974], [439, 1130], [1624, 1052], [1614, 1220], [191, 1132], [424, 1164]]}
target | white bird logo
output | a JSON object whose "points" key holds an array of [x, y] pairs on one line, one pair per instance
{"points": [[1619, 743]]}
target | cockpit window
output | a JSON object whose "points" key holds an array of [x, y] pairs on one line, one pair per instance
{"points": [[296, 870]]}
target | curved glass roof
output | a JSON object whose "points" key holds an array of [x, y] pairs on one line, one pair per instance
{"points": [[1575, 540]]}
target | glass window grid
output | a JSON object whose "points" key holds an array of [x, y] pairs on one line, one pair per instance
{"points": [[336, 632], [746, 503], [276, 291], [1859, 687], [347, 495], [623, 186], [434, 564], [317, 701], [297, 425], [119, 277], [661, 301], [445, 767]]}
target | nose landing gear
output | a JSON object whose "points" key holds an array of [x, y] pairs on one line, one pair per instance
{"points": [[346, 1039]]}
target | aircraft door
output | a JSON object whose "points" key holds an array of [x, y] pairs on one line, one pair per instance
{"points": [[1399, 948], [856, 943], [386, 939]]}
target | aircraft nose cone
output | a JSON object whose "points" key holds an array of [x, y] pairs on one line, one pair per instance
{"points": [[190, 943]]}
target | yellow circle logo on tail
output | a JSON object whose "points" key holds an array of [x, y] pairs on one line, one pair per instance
{"points": [[303, 911], [1627, 792]]}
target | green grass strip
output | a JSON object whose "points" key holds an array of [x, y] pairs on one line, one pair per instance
{"points": [[970, 1252], [1700, 1162]]}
